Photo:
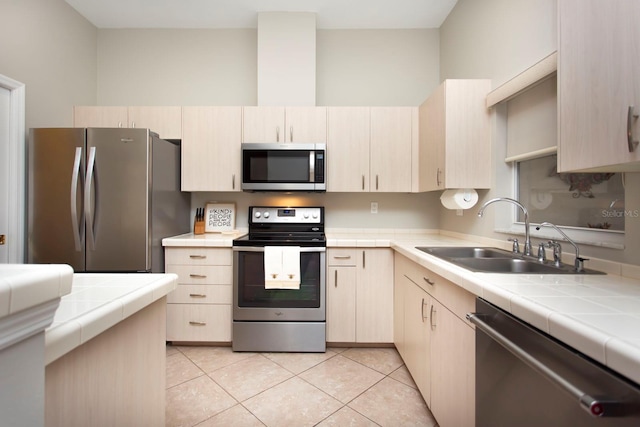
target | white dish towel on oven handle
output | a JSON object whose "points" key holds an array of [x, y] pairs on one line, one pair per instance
{"points": [[282, 267]]}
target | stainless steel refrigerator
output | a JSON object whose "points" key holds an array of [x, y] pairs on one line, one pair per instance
{"points": [[102, 199]]}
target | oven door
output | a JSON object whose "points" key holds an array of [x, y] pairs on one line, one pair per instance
{"points": [[252, 302]]}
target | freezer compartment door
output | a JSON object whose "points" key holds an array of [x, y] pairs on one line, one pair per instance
{"points": [[117, 200], [55, 220]]}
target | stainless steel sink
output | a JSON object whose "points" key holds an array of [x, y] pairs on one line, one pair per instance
{"points": [[466, 252], [507, 265], [494, 260]]}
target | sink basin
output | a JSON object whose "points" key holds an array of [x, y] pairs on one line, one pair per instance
{"points": [[508, 265], [466, 252], [494, 260]]}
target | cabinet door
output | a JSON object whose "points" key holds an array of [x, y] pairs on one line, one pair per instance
{"points": [[348, 149], [417, 336], [100, 117], [263, 124], [306, 124], [165, 121], [390, 149], [341, 304], [452, 368], [598, 80], [432, 141], [211, 148], [374, 296]]}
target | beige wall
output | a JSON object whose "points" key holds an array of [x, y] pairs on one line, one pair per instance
{"points": [[49, 47], [498, 39], [219, 67], [177, 67]]}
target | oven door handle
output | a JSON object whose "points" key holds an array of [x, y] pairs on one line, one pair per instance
{"points": [[596, 407], [261, 249]]}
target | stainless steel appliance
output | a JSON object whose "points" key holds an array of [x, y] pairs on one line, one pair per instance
{"points": [[101, 200], [526, 378], [280, 319], [283, 167]]}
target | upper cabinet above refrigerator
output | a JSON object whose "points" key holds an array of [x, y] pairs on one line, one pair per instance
{"points": [[165, 121]]}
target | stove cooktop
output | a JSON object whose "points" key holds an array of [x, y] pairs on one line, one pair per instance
{"points": [[284, 226]]}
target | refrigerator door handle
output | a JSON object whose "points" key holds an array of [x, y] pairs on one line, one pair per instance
{"points": [[88, 208], [78, 234]]}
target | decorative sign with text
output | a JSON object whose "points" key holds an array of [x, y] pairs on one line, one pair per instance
{"points": [[220, 217]]}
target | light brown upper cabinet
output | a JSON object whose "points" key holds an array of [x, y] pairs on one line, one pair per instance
{"points": [[455, 145], [392, 134], [369, 148], [598, 85], [211, 149], [285, 124], [165, 121], [348, 149]]}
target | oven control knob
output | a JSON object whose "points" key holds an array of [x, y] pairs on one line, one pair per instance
{"points": [[266, 214], [315, 215], [257, 214], [306, 215]]}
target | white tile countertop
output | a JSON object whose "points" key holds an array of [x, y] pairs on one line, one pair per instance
{"points": [[599, 315], [224, 239], [23, 286], [99, 301]]}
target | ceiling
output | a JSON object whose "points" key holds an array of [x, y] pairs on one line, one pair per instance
{"points": [[330, 14]]}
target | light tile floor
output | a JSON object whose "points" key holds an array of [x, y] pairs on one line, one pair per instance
{"points": [[213, 386]]}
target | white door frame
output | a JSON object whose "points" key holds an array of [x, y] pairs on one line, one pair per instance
{"points": [[17, 149]]}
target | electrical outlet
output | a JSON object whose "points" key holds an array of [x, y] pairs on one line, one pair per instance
{"points": [[374, 207]]}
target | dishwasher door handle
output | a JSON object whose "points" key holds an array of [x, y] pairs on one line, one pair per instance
{"points": [[596, 407]]}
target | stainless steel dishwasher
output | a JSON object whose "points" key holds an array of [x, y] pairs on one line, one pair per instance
{"points": [[526, 378]]}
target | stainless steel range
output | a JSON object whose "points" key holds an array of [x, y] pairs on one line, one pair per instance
{"points": [[280, 318]]}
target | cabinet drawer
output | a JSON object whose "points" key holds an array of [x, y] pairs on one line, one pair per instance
{"points": [[197, 256], [202, 274], [341, 257], [452, 296], [198, 322], [201, 294]]}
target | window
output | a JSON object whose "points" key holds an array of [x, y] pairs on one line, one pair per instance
{"points": [[592, 201]]}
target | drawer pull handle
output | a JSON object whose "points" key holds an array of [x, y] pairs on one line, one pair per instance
{"points": [[194, 323], [429, 281], [198, 256], [198, 295], [342, 257], [198, 276], [432, 314]]}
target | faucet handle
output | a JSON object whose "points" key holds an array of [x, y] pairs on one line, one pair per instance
{"points": [[542, 255], [579, 264], [516, 247]]}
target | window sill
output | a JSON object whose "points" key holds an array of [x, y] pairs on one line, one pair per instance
{"points": [[601, 238]]}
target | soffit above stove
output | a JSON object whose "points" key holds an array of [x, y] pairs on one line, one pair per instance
{"points": [[331, 14]]}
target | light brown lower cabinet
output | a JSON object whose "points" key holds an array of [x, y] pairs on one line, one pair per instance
{"points": [[435, 340], [199, 310], [360, 295]]}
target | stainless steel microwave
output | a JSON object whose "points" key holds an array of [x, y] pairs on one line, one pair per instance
{"points": [[283, 167]]}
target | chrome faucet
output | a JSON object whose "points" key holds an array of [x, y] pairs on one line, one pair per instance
{"points": [[527, 238], [579, 262]]}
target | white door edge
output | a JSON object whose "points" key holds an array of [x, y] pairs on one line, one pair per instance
{"points": [[17, 149]]}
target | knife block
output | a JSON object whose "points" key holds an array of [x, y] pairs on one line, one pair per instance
{"points": [[198, 226]]}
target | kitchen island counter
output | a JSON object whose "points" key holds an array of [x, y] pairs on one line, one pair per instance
{"points": [[105, 351]]}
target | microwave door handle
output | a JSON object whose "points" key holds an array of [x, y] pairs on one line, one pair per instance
{"points": [[312, 166]]}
